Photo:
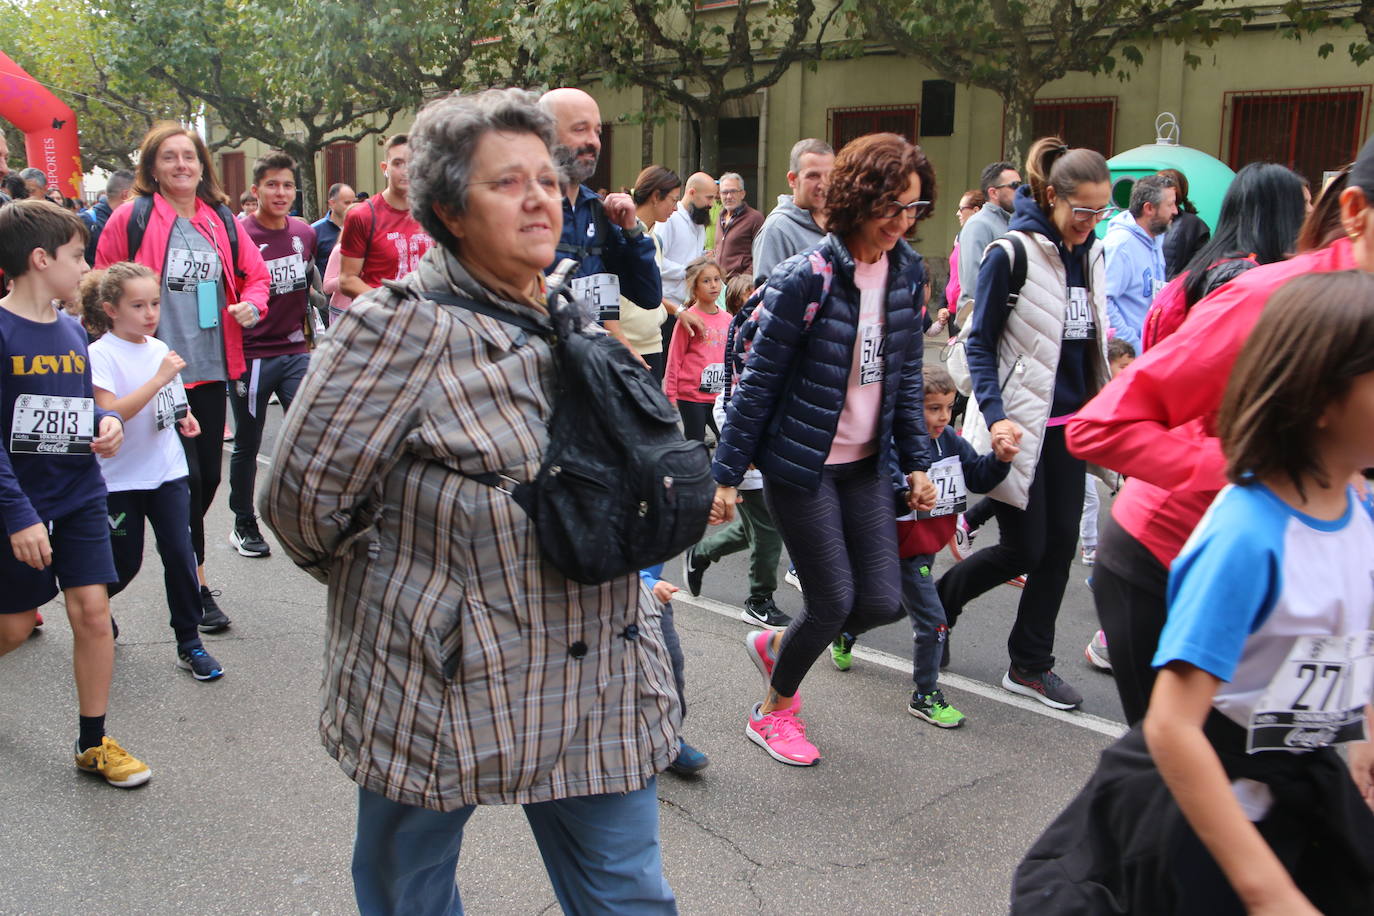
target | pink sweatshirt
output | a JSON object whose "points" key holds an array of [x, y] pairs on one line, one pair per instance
{"points": [[856, 436], [697, 362]]}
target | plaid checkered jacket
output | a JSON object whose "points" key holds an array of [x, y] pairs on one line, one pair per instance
{"points": [[460, 668]]}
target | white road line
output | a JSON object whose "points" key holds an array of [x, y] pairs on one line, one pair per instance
{"points": [[958, 682], [229, 448]]}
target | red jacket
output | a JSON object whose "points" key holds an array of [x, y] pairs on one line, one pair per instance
{"points": [[1156, 421], [251, 287]]}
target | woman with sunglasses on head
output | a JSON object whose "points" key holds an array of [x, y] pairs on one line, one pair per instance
{"points": [[831, 381], [1033, 366]]}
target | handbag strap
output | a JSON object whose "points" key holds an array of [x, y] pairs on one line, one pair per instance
{"points": [[491, 311]]}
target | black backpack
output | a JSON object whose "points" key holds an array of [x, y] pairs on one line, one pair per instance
{"points": [[619, 489], [138, 227]]}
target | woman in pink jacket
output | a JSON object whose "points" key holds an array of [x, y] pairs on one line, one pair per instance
{"points": [[214, 284], [1155, 423]]}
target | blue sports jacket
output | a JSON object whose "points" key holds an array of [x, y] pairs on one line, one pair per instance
{"points": [[784, 411]]}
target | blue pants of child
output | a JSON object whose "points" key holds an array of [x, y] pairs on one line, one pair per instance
{"points": [[928, 625], [601, 853]]}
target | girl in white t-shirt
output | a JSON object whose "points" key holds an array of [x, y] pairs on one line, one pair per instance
{"points": [[136, 375], [1231, 790]]}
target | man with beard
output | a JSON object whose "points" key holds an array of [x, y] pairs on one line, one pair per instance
{"points": [[613, 248], [798, 221], [1135, 255], [683, 235]]}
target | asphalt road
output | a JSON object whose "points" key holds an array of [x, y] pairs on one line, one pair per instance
{"points": [[246, 814]]}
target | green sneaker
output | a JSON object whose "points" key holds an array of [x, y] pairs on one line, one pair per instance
{"points": [[933, 708], [842, 651]]}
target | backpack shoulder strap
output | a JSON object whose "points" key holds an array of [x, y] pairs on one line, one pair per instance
{"points": [[231, 226], [137, 226], [482, 308], [1018, 268]]}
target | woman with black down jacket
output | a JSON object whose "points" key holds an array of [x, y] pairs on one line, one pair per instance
{"points": [[831, 381]]}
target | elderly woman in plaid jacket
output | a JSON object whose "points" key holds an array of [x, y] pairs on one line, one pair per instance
{"points": [[460, 668]]}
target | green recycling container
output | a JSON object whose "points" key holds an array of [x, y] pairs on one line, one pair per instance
{"points": [[1208, 177]]}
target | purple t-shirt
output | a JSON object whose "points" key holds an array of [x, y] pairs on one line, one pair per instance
{"points": [[288, 254]]}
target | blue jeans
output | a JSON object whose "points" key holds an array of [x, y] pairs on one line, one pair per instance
{"points": [[601, 853], [929, 630]]}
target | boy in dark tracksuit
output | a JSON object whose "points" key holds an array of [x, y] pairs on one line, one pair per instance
{"points": [[955, 470]]}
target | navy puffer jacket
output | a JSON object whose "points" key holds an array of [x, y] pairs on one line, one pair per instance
{"points": [[786, 431]]}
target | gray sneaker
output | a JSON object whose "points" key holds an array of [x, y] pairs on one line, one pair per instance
{"points": [[1045, 686]]}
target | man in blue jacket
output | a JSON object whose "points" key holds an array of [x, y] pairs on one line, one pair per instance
{"points": [[1135, 255], [613, 247]]}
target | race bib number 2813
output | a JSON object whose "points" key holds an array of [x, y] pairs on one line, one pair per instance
{"points": [[46, 424]]}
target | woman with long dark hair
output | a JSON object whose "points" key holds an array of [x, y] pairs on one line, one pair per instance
{"points": [[1187, 231]]}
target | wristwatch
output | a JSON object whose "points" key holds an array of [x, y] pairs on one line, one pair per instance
{"points": [[636, 231]]}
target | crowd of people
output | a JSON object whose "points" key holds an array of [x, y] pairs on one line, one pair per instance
{"points": [[1218, 380]]}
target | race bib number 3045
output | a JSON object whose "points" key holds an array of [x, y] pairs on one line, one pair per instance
{"points": [[1318, 695], [47, 424]]}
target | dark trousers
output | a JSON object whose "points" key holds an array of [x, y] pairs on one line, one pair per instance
{"points": [[279, 375], [658, 364], [168, 510], [1038, 541], [695, 418], [978, 516], [754, 529], [204, 456], [673, 644], [928, 626], [1129, 589], [843, 540]]}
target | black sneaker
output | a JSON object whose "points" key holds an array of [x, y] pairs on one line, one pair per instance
{"points": [[212, 618], [693, 568], [200, 663], [1045, 686], [247, 539], [765, 613]]}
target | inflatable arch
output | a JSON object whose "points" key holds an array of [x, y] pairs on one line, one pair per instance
{"points": [[49, 127]]}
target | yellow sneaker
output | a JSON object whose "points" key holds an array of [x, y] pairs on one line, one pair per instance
{"points": [[118, 766]]}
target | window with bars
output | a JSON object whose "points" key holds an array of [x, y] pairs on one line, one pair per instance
{"points": [[1311, 131], [234, 177], [341, 164], [1089, 123], [849, 123]]}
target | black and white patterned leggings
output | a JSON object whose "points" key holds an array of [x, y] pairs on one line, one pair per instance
{"points": [[843, 540]]}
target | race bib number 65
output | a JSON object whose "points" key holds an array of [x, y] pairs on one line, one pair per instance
{"points": [[52, 425]]}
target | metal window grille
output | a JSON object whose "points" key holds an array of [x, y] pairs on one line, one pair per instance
{"points": [[1086, 122], [234, 177], [1311, 131], [847, 124]]}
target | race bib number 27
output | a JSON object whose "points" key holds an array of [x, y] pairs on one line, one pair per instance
{"points": [[1318, 695]]}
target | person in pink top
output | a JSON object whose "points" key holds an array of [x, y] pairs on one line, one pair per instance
{"points": [[969, 204], [1156, 423], [696, 362]]}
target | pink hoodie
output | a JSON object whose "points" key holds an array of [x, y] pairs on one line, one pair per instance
{"points": [[249, 283]]}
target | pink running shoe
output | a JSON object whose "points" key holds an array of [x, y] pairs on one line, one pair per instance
{"points": [[757, 643], [783, 736]]}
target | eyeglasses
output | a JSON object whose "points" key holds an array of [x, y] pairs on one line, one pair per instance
{"points": [[966, 207], [1089, 215], [917, 209], [724, 191], [515, 186], [1009, 184]]}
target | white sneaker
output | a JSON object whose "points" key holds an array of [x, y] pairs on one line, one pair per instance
{"points": [[792, 580], [1089, 556]]}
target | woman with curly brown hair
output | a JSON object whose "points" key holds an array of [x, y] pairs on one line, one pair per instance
{"points": [[831, 381]]}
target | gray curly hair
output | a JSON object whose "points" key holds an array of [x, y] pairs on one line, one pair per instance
{"points": [[444, 139]]}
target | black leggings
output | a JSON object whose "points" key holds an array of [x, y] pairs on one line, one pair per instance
{"points": [[166, 509], [695, 418], [1129, 588], [843, 540], [205, 455], [1038, 541]]}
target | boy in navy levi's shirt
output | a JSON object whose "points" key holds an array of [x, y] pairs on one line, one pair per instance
{"points": [[52, 496]]}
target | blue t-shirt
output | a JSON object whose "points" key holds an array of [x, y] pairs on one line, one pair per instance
{"points": [[1277, 604], [43, 358]]}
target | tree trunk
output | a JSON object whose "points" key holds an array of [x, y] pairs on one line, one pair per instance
{"points": [[646, 132], [310, 183], [1019, 99], [708, 132]]}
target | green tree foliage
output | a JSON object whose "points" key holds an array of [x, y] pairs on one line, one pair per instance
{"points": [[287, 73], [1358, 17], [63, 44], [1015, 47], [680, 54]]}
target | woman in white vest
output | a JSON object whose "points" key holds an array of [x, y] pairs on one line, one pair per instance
{"points": [[1036, 358]]}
